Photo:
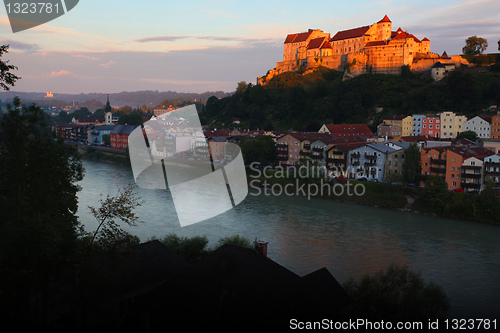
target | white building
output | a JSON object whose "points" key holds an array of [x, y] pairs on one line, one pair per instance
{"points": [[480, 126]]}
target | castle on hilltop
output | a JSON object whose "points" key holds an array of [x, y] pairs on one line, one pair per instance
{"points": [[373, 48]]}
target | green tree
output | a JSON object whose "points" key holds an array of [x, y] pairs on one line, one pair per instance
{"points": [[260, 149], [133, 118], [397, 294], [475, 45], [435, 194], [487, 204], [190, 249], [235, 240], [6, 77], [241, 87], [412, 167], [111, 211], [39, 225], [471, 135], [106, 139]]}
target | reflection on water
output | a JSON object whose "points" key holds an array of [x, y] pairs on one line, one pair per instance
{"points": [[350, 240]]}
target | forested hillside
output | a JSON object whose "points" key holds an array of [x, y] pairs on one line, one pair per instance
{"points": [[304, 102]]}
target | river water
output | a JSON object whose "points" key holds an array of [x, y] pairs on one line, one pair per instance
{"points": [[349, 240]]}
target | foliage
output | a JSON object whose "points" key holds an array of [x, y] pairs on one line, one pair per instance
{"points": [[106, 139], [475, 45], [260, 149], [488, 206], [38, 175], [7, 78], [134, 118], [113, 209], [397, 294], [412, 167], [291, 101], [191, 249], [470, 135], [235, 240], [435, 194]]}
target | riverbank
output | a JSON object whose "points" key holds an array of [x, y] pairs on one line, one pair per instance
{"points": [[99, 153], [433, 201]]}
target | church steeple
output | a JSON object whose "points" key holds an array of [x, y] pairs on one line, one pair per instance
{"points": [[107, 108]]}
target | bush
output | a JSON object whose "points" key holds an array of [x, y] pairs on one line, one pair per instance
{"points": [[397, 294]]}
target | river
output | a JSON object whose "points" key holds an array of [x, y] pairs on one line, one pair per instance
{"points": [[349, 240]]}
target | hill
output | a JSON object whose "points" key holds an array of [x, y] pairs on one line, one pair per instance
{"points": [[94, 101], [304, 102]]}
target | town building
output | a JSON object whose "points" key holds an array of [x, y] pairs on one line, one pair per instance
{"points": [[451, 124], [119, 136], [479, 125], [431, 126], [405, 122], [368, 161]]}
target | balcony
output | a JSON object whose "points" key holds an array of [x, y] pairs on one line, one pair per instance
{"points": [[356, 155], [335, 160], [438, 170], [317, 149], [471, 175], [355, 163], [305, 153], [371, 163], [438, 161], [282, 157], [316, 156], [370, 157], [470, 185]]}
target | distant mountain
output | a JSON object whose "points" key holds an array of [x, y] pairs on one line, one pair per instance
{"points": [[133, 99]]}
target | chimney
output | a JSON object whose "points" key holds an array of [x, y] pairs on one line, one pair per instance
{"points": [[261, 247]]}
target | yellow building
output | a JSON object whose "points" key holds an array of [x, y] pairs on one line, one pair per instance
{"points": [[405, 123], [451, 124]]}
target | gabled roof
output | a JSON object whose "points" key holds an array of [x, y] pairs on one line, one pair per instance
{"points": [[351, 33], [123, 129], [300, 37], [316, 43], [343, 130]]}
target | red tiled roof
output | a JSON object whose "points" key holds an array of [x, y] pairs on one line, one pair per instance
{"points": [[302, 36], [351, 33], [385, 19], [425, 39], [290, 38], [316, 43], [343, 130]]}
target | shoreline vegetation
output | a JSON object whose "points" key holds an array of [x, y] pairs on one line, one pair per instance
{"points": [[432, 199]]}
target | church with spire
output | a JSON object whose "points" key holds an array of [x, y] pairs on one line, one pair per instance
{"points": [[375, 48]]}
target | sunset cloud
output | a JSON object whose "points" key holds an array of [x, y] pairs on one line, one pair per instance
{"points": [[108, 64], [62, 72]]}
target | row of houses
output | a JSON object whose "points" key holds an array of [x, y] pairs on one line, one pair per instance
{"points": [[445, 125]]}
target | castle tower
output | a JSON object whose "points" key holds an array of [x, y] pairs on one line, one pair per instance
{"points": [[384, 28]]}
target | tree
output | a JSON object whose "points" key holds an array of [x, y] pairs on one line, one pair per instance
{"points": [[235, 240], [39, 225], [412, 167], [435, 194], [190, 249], [241, 87], [133, 118], [6, 77], [106, 139], [397, 294], [471, 135], [475, 45], [260, 149], [113, 209]]}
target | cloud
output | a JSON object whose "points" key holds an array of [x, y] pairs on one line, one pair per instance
{"points": [[84, 57], [160, 39], [14, 45], [108, 64], [62, 72]]}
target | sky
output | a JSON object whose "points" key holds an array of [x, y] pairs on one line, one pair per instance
{"points": [[197, 46]]}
